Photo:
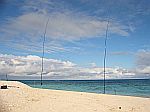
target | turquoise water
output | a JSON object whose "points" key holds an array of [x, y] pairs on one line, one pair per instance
{"points": [[130, 87]]}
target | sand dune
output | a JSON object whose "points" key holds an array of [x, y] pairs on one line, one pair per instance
{"points": [[22, 98]]}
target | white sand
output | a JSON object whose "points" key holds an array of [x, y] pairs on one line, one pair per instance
{"points": [[27, 99]]}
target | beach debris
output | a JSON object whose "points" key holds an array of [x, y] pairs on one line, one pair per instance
{"points": [[14, 86], [4, 87], [119, 107]]}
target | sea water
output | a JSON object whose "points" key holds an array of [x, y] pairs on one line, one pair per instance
{"points": [[130, 87]]}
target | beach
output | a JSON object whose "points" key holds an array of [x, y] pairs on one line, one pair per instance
{"points": [[22, 98]]}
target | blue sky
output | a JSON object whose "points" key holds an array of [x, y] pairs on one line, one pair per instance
{"points": [[76, 31]]}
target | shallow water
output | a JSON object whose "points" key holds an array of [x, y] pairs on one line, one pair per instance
{"points": [[131, 87]]}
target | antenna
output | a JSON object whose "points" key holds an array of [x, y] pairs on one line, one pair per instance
{"points": [[105, 54], [43, 52], [6, 77]]}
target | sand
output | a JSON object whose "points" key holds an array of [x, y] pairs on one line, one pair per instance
{"points": [[22, 98]]}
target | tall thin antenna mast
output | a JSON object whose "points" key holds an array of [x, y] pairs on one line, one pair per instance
{"points": [[105, 54], [43, 52], [6, 77]]}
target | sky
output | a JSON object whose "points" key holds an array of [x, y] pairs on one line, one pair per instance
{"points": [[75, 35]]}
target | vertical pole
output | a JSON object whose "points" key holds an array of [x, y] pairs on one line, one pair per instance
{"points": [[6, 77], [105, 54], [43, 52]]}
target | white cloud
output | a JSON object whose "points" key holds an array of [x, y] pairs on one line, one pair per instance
{"points": [[63, 26], [143, 58], [143, 62], [120, 53], [25, 31], [20, 65], [30, 65]]}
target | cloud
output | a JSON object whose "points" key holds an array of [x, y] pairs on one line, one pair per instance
{"points": [[143, 62], [25, 31], [120, 53], [143, 58], [30, 66], [62, 26]]}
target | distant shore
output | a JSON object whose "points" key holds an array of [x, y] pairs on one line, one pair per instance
{"points": [[22, 98]]}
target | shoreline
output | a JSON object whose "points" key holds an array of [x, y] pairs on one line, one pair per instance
{"points": [[124, 88], [28, 99], [92, 92]]}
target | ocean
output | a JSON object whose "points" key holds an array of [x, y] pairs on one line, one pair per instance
{"points": [[129, 87]]}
